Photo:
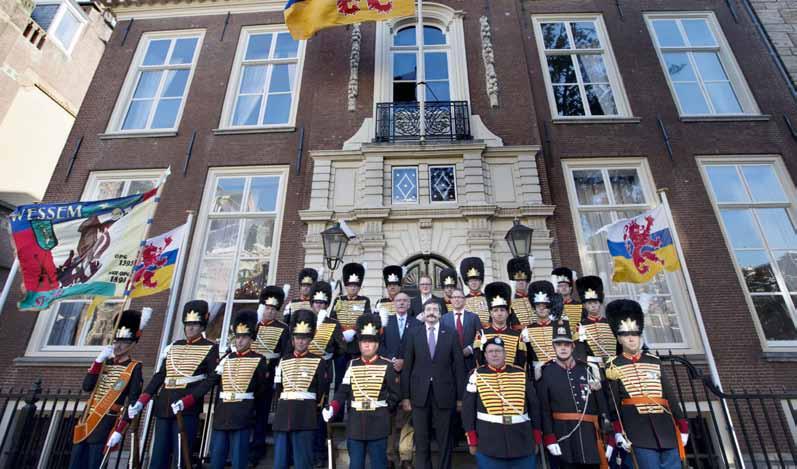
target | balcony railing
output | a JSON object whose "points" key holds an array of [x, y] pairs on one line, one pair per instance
{"points": [[445, 120]]}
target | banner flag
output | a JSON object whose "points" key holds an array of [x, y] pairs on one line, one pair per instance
{"points": [[157, 262], [304, 18]]}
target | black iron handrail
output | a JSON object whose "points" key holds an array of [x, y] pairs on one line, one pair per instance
{"points": [[444, 120]]}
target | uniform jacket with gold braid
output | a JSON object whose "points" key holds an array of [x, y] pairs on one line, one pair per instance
{"points": [[514, 346], [242, 385], [477, 303], [273, 341], [387, 304], [346, 310], [328, 339], [295, 305], [599, 341], [183, 359], [522, 313], [100, 380], [566, 390], [370, 391], [301, 382], [647, 425], [540, 347], [501, 394]]}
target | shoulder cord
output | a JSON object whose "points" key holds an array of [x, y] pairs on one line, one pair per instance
{"points": [[503, 399], [590, 377]]}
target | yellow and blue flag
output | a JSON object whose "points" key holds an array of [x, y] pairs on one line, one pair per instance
{"points": [[306, 17], [642, 247], [156, 264]]}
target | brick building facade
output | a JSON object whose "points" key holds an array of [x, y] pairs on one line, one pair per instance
{"points": [[633, 98]]}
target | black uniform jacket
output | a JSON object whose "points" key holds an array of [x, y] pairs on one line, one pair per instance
{"points": [[444, 373], [104, 381], [379, 382], [181, 359], [567, 390], [513, 345], [647, 425], [300, 373], [483, 393], [273, 341], [236, 373]]}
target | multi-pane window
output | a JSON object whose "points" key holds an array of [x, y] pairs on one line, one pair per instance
{"points": [[62, 20], [442, 184], [580, 72], [266, 77], [158, 82], [756, 214], [699, 66], [239, 236], [75, 323], [405, 184], [601, 195], [405, 65]]}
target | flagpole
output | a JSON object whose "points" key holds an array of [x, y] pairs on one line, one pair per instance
{"points": [[168, 322], [421, 67], [712, 365], [9, 282]]}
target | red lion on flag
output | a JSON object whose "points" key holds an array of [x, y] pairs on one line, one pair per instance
{"points": [[151, 260], [640, 244], [351, 7]]}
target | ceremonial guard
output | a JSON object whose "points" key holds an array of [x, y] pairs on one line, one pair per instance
{"points": [[596, 342], [302, 380], [184, 365], [113, 379], [522, 314], [307, 277], [498, 294], [370, 391], [241, 377], [393, 276], [448, 278], [500, 413], [573, 407], [540, 333], [650, 424], [563, 278], [472, 271], [273, 341], [348, 308]]}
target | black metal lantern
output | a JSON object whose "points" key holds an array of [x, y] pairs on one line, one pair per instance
{"points": [[519, 239], [335, 241]]}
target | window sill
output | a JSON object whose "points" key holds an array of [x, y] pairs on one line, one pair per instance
{"points": [[258, 130], [120, 135], [76, 361], [790, 356], [598, 120], [735, 118]]}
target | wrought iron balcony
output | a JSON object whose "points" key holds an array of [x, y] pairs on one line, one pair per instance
{"points": [[445, 120]]}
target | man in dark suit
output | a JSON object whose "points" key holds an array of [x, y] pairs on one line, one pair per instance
{"points": [[425, 286], [466, 325], [394, 339], [432, 385]]}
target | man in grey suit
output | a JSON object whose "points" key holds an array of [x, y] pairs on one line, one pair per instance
{"points": [[432, 385], [466, 324]]}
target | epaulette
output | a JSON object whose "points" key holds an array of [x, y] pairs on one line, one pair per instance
{"points": [[612, 372], [651, 355], [471, 386], [512, 365]]}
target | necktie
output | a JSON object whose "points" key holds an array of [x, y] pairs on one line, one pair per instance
{"points": [[432, 342], [460, 330], [401, 327]]}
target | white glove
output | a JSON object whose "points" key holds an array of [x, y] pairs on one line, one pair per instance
{"points": [[105, 354], [328, 413], [684, 438], [622, 442], [177, 407], [349, 335], [114, 440], [134, 410], [609, 452], [554, 449], [383, 316], [321, 316], [524, 335], [582, 334]]}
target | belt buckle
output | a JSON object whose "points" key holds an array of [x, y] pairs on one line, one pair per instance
{"points": [[366, 405], [171, 381], [506, 419]]}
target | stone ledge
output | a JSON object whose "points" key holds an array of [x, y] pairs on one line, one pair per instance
{"points": [[738, 118], [259, 130], [123, 135]]}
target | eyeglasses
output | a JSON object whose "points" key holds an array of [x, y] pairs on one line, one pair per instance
{"points": [[425, 284], [458, 297]]}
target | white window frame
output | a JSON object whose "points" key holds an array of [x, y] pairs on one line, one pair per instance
{"points": [[64, 6], [437, 15], [235, 78], [727, 59], [781, 172], [612, 70], [417, 184], [199, 240], [456, 188], [678, 293], [427, 49], [37, 346], [131, 80]]}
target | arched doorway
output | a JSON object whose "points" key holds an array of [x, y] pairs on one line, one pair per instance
{"points": [[424, 264]]}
